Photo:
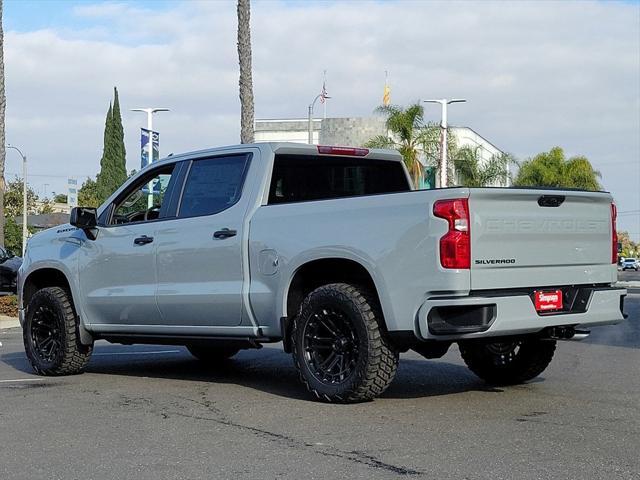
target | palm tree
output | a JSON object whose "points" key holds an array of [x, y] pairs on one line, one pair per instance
{"points": [[407, 133], [552, 169], [472, 171], [3, 107], [246, 83]]}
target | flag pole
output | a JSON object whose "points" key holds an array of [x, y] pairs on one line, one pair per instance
{"points": [[324, 104], [386, 96]]}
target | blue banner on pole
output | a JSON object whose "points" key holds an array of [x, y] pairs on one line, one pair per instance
{"points": [[144, 146]]}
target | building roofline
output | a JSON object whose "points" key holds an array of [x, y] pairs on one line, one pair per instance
{"points": [[482, 137]]}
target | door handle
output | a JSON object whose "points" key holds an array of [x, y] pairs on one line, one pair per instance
{"points": [[143, 240], [225, 233]]}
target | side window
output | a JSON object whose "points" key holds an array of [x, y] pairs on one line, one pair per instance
{"points": [[144, 200], [299, 178], [213, 185]]}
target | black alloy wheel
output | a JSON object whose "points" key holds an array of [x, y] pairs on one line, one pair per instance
{"points": [[508, 361], [330, 344], [45, 334], [339, 345], [51, 334], [503, 353]]}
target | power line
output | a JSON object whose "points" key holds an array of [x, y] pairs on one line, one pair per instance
{"points": [[47, 175]]}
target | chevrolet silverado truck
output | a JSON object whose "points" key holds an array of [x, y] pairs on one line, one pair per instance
{"points": [[331, 251]]}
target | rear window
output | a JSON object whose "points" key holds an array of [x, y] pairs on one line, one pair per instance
{"points": [[300, 178]]}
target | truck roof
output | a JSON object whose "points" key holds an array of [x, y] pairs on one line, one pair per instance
{"points": [[292, 148]]}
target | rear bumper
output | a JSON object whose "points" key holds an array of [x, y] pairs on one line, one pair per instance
{"points": [[454, 318]]}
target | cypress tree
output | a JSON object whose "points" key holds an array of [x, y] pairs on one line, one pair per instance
{"points": [[120, 154], [104, 161], [113, 171]]}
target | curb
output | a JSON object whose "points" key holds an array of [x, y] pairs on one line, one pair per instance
{"points": [[628, 284], [8, 322]]}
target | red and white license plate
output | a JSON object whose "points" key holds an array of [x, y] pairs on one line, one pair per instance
{"points": [[548, 300]]}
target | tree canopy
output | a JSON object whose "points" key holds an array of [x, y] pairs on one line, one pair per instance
{"points": [[13, 208], [408, 134], [414, 139], [13, 199], [552, 169], [113, 170], [629, 248], [60, 198], [472, 171], [88, 194]]}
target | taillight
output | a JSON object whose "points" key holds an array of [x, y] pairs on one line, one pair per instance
{"points": [[350, 151], [455, 245], [614, 234]]}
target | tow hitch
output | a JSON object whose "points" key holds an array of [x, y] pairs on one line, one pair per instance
{"points": [[566, 333]]}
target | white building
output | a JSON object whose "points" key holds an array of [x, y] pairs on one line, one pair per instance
{"points": [[356, 132], [294, 130]]}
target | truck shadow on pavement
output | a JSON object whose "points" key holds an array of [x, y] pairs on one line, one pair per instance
{"points": [[271, 371]]}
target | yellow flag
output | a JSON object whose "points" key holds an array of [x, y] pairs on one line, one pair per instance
{"points": [[386, 96]]}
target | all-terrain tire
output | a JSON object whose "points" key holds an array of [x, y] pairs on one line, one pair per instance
{"points": [[50, 334], [370, 361], [212, 354], [508, 361]]}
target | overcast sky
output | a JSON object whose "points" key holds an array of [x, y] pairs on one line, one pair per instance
{"points": [[536, 75]]}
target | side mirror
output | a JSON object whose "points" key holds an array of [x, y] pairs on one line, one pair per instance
{"points": [[85, 218]]}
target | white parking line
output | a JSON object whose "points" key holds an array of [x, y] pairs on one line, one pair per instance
{"points": [[138, 353], [22, 380]]}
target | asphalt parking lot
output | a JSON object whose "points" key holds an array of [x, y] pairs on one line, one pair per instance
{"points": [[629, 276], [153, 412]]}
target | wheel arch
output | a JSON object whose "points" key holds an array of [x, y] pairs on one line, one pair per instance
{"points": [[317, 272], [51, 277]]}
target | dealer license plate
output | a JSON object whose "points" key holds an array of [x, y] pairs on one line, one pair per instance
{"points": [[548, 300]]}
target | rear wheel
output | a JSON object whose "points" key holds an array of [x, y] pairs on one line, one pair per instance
{"points": [[210, 354], [339, 347], [50, 334], [508, 361]]}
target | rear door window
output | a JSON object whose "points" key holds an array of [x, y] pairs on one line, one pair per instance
{"points": [[213, 185], [299, 178]]}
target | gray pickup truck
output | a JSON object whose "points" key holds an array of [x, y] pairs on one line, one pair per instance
{"points": [[331, 251]]}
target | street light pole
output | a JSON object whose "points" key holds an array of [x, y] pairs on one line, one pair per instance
{"points": [[311, 118], [24, 198], [444, 180], [150, 112]]}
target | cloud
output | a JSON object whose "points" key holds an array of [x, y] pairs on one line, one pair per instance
{"points": [[536, 74]]}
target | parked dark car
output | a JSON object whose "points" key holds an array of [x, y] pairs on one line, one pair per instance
{"points": [[9, 265]]}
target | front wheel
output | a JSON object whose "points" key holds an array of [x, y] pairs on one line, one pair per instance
{"points": [[508, 361], [50, 334], [339, 346]]}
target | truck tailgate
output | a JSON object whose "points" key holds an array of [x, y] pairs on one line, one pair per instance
{"points": [[535, 238]]}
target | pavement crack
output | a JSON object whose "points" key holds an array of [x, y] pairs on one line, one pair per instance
{"points": [[356, 456], [353, 456]]}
